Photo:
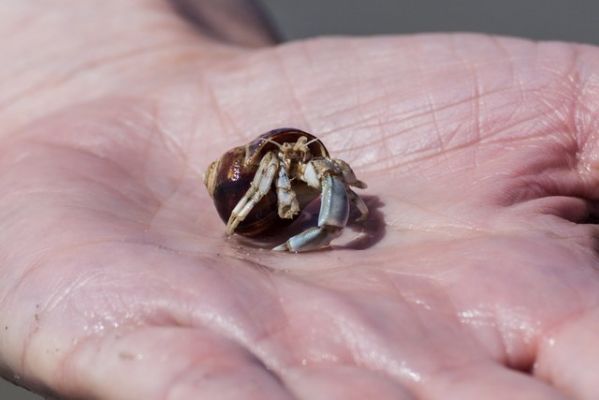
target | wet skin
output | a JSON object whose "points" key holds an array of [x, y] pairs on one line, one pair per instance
{"points": [[117, 281]]}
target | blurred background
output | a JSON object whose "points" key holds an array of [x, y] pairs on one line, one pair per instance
{"points": [[569, 20], [574, 20]]}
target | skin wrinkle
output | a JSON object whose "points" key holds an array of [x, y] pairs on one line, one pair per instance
{"points": [[550, 333], [152, 219], [419, 311], [85, 69], [505, 339], [17, 23], [226, 121], [192, 50], [499, 337], [476, 101], [305, 48], [561, 121], [383, 113], [282, 64], [112, 189], [548, 183], [279, 369], [173, 384], [145, 151], [64, 383], [578, 107], [406, 119], [172, 387], [440, 216], [369, 356], [52, 303], [264, 335], [220, 328], [359, 104], [314, 72], [148, 144], [35, 265], [464, 146], [168, 141], [415, 311], [431, 109], [539, 165], [89, 153], [345, 391], [453, 134], [515, 77], [386, 135], [108, 214], [36, 324], [466, 369]]}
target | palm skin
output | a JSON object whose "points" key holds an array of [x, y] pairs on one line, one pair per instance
{"points": [[118, 283]]}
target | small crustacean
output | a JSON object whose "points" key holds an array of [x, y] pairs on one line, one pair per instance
{"points": [[298, 167]]}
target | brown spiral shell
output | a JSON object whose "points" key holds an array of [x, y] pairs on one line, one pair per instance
{"points": [[229, 178]]}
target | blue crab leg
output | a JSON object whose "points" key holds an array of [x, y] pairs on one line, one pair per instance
{"points": [[334, 212]]}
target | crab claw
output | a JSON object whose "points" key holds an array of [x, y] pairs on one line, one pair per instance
{"points": [[333, 216]]}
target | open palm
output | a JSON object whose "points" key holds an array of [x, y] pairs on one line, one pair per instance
{"points": [[475, 276]]}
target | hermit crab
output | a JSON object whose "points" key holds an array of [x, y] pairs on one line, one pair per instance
{"points": [[263, 186]]}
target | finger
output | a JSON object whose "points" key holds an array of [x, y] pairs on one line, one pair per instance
{"points": [[569, 357], [235, 21], [487, 381], [344, 382], [166, 363]]}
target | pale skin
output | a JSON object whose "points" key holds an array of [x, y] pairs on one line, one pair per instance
{"points": [[117, 281]]}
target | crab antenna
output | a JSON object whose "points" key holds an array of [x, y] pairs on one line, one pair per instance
{"points": [[311, 141], [268, 140]]}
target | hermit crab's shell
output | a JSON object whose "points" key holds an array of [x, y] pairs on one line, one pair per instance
{"points": [[229, 178]]}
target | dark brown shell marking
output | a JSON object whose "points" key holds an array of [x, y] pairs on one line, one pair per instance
{"points": [[230, 178]]}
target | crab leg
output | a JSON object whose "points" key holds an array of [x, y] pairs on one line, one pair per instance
{"points": [[348, 174], [334, 212], [359, 204], [288, 204], [260, 186]]}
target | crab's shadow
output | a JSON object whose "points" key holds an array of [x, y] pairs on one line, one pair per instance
{"points": [[370, 231]]}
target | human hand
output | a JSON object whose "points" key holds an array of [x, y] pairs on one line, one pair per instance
{"points": [[118, 283]]}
